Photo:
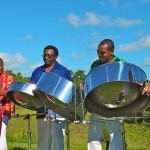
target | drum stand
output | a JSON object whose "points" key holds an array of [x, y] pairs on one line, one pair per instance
{"points": [[75, 105], [123, 134], [67, 132], [27, 116], [82, 105], [28, 132]]}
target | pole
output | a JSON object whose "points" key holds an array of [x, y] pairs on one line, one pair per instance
{"points": [[27, 116], [29, 133], [123, 134], [67, 131]]}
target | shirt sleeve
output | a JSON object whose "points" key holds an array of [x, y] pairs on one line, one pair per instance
{"points": [[68, 75], [33, 77], [9, 81]]}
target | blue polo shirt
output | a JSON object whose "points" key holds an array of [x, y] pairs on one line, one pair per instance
{"points": [[57, 69]]}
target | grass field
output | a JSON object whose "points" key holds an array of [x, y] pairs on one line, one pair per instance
{"points": [[137, 136]]}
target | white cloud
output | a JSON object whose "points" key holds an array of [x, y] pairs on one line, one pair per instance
{"points": [[34, 66], [27, 38], [126, 22], [93, 19], [114, 3], [77, 56], [89, 19], [101, 2], [124, 4], [146, 61], [144, 1], [12, 61], [133, 46]]}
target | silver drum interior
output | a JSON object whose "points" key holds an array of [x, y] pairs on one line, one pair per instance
{"points": [[113, 90], [21, 94]]}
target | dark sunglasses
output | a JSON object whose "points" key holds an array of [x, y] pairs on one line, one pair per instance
{"points": [[100, 53], [48, 56]]}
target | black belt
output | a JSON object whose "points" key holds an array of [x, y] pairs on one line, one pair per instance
{"points": [[41, 112]]}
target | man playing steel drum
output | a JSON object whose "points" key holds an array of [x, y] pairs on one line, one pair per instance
{"points": [[105, 54], [7, 106], [50, 131]]}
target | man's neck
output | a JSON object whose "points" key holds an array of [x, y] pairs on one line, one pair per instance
{"points": [[49, 67]]}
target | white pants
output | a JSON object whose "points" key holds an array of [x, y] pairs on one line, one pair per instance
{"points": [[95, 133], [50, 134], [3, 141]]}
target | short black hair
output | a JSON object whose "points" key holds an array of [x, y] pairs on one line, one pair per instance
{"points": [[53, 48], [109, 43]]}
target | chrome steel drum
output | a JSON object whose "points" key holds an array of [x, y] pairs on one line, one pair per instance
{"points": [[57, 93], [113, 90], [21, 94]]}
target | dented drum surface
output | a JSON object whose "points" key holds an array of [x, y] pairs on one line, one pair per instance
{"points": [[113, 90]]}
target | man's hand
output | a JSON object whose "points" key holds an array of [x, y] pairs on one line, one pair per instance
{"points": [[146, 89]]}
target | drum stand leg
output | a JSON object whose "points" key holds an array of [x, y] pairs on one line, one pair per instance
{"points": [[28, 132], [82, 104], [67, 132], [123, 134], [75, 104]]}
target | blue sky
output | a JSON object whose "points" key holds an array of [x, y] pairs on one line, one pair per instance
{"points": [[75, 27]]}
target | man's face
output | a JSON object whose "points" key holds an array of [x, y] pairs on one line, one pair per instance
{"points": [[49, 57], [1, 67], [103, 53]]}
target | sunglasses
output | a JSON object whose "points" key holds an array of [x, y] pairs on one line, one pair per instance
{"points": [[100, 53], [48, 56]]}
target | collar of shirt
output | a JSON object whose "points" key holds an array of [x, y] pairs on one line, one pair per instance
{"points": [[56, 66]]}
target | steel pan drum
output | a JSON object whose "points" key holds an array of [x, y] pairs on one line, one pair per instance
{"points": [[113, 90], [57, 93], [21, 94]]}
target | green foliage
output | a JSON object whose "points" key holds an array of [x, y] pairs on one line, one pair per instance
{"points": [[18, 76], [78, 77]]}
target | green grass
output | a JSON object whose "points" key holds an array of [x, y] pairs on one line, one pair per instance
{"points": [[137, 136]]}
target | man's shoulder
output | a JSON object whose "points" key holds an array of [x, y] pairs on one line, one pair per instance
{"points": [[8, 75], [61, 67], [95, 63], [117, 59]]}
